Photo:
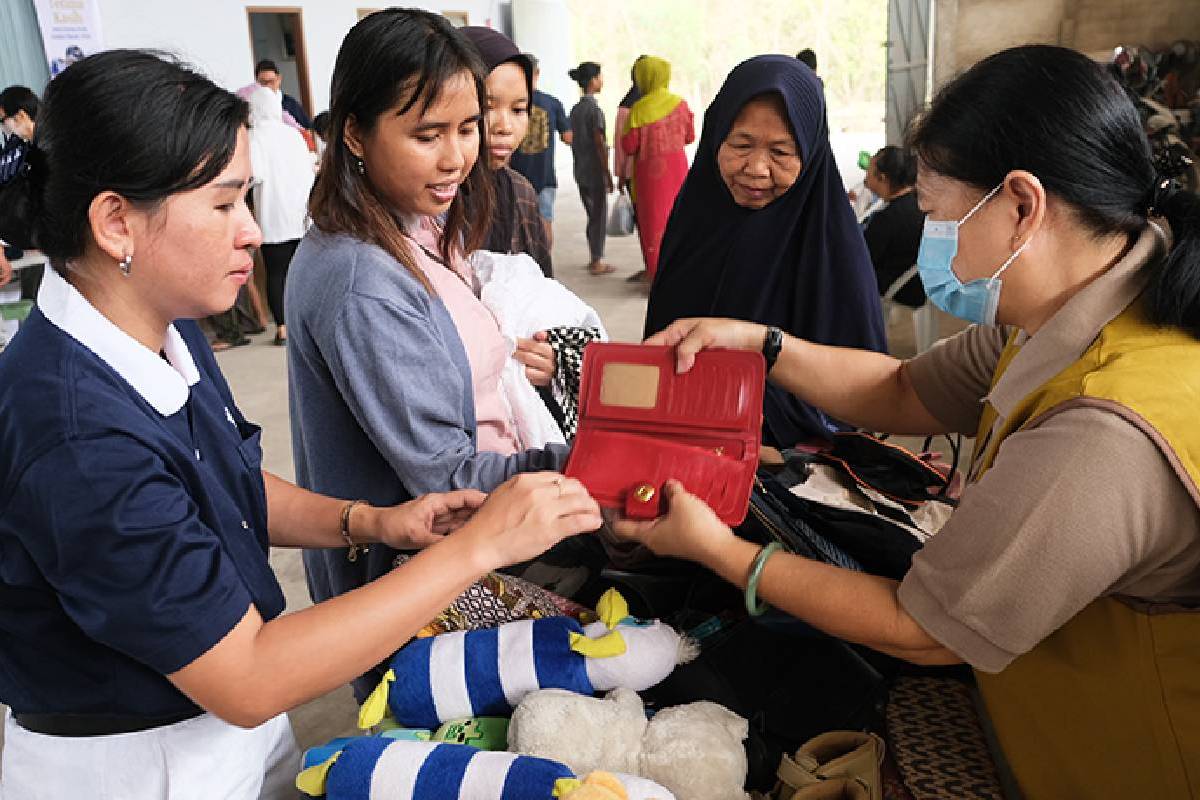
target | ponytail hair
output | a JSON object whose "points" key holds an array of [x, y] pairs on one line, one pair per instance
{"points": [[1059, 115], [1173, 294]]}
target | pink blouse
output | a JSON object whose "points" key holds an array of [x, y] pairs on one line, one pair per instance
{"points": [[487, 349]]}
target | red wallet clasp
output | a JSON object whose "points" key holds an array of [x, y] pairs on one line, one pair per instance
{"points": [[643, 501]]}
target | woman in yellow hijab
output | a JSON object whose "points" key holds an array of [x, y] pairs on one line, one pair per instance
{"points": [[660, 125]]}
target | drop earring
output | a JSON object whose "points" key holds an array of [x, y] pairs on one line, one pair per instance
{"points": [[360, 166], [126, 265]]}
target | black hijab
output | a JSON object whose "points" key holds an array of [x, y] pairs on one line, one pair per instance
{"points": [[495, 49], [634, 94], [800, 263]]}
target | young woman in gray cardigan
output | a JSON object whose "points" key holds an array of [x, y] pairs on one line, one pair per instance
{"points": [[381, 394]]}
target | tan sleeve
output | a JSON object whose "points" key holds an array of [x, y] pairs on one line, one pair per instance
{"points": [[1082, 506], [954, 375]]}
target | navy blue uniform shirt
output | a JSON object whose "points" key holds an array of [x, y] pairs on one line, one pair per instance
{"points": [[133, 519]]}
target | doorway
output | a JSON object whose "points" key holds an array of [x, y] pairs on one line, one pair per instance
{"points": [[278, 34]]}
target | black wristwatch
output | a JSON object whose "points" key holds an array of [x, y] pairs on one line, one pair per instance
{"points": [[772, 344]]}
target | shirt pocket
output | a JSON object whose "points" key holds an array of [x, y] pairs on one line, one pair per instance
{"points": [[250, 451]]}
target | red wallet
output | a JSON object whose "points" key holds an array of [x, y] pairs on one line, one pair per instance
{"points": [[641, 424]]}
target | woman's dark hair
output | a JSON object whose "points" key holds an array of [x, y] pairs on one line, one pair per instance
{"points": [[898, 165], [133, 122], [584, 73], [19, 98], [396, 56], [320, 124], [1058, 115]]}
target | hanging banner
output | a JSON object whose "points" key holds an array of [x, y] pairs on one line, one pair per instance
{"points": [[70, 31]]}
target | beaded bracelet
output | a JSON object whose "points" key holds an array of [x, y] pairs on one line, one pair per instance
{"points": [[753, 605]]}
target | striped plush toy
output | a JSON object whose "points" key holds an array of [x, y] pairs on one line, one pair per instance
{"points": [[375, 768], [488, 672]]}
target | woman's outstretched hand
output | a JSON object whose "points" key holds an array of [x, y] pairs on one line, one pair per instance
{"points": [[690, 336], [421, 522], [689, 530], [529, 514]]}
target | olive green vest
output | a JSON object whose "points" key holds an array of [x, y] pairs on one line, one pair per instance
{"points": [[1108, 706]]}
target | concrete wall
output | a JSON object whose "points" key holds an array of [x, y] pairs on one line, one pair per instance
{"points": [[968, 30], [215, 34]]}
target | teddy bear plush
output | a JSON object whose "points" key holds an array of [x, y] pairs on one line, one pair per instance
{"points": [[694, 750], [486, 673]]}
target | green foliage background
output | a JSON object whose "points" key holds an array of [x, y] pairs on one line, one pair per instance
{"points": [[704, 39]]}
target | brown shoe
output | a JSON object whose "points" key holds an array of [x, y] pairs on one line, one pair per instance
{"points": [[835, 789], [837, 754]]}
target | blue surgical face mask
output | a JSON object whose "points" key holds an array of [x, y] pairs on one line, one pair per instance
{"points": [[976, 301]]}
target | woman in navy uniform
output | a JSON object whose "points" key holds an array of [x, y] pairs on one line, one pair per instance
{"points": [[143, 648]]}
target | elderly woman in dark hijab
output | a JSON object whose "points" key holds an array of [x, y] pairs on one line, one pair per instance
{"points": [[762, 231], [516, 224]]}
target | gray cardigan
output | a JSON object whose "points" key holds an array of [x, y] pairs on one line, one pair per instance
{"points": [[381, 399]]}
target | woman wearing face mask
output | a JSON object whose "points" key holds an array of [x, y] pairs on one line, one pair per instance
{"points": [[1069, 575], [761, 231], [144, 652], [516, 224], [393, 362]]}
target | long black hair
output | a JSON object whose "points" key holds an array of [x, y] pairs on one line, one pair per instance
{"points": [[389, 55], [134, 122], [1058, 115]]}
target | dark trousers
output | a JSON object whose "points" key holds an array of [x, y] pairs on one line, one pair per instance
{"points": [[277, 258], [595, 203]]}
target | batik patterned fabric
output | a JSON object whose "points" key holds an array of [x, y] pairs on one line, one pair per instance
{"points": [[935, 736], [568, 344], [496, 599]]}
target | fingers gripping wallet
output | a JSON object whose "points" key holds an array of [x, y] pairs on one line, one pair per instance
{"points": [[641, 424]]}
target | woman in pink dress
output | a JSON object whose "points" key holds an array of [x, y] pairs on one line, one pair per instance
{"points": [[660, 125]]}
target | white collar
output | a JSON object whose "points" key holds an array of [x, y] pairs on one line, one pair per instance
{"points": [[163, 385]]}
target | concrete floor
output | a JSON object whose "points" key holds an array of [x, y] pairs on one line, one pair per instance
{"points": [[257, 374]]}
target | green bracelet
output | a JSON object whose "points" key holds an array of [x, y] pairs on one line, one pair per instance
{"points": [[756, 608]]}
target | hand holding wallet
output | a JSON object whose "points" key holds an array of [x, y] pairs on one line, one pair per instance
{"points": [[641, 424]]}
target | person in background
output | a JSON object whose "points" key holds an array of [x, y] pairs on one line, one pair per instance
{"points": [[393, 362], [18, 117], [808, 58], [266, 73], [893, 233], [320, 129], [589, 147], [534, 158], [516, 224], [144, 649], [762, 231], [622, 161], [18, 111], [659, 126], [283, 174]]}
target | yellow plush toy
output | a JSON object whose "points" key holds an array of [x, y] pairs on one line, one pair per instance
{"points": [[598, 786]]}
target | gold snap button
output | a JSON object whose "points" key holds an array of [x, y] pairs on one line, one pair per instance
{"points": [[644, 493]]}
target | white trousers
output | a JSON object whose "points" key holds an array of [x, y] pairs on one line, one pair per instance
{"points": [[199, 759]]}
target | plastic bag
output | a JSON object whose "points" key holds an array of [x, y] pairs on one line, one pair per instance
{"points": [[621, 221]]}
